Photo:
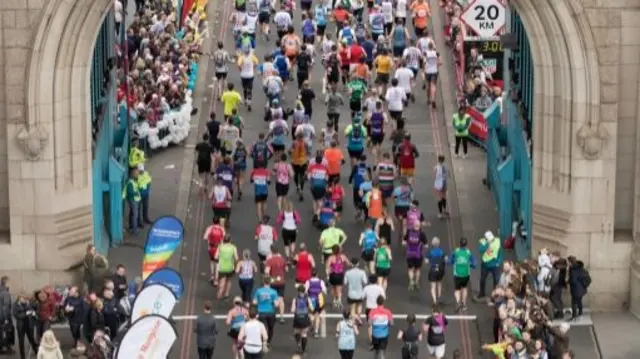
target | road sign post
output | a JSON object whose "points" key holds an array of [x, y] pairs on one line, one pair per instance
{"points": [[485, 18]]}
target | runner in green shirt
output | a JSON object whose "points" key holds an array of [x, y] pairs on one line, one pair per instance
{"points": [[227, 258], [357, 88], [382, 259], [462, 261], [332, 236]]}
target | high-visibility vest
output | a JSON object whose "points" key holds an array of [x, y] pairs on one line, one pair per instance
{"points": [[492, 252], [461, 123], [136, 190], [144, 181], [136, 157]]}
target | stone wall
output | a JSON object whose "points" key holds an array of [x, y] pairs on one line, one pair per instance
{"points": [[586, 55], [45, 143]]}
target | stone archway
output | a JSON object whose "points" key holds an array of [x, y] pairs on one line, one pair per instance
{"points": [[50, 196]]}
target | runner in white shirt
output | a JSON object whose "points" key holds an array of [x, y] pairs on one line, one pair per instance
{"points": [[253, 335], [405, 78], [251, 23], [370, 102], [247, 63], [371, 293], [413, 57], [396, 98], [386, 8], [357, 7], [308, 132], [229, 136], [401, 11], [283, 21], [238, 20], [423, 43], [431, 64]]}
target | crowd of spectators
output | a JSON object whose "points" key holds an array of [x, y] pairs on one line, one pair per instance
{"points": [[529, 320], [160, 68]]}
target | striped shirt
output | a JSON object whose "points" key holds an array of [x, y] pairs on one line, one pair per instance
{"points": [[386, 175]]}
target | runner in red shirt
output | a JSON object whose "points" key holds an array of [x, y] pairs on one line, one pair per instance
{"points": [[345, 62], [337, 196], [275, 268], [407, 154], [356, 53], [214, 235], [305, 264], [318, 175]]}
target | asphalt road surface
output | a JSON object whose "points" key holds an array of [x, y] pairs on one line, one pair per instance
{"points": [[428, 133]]}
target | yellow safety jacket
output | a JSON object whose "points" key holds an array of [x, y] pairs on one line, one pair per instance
{"points": [[493, 250], [461, 124], [136, 190], [144, 182], [136, 157]]}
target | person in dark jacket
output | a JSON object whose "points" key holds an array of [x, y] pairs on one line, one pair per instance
{"points": [[95, 319], [6, 324], [100, 273], [206, 332], [579, 281], [557, 289], [25, 314], [120, 282], [46, 310], [88, 267], [111, 315], [75, 310]]}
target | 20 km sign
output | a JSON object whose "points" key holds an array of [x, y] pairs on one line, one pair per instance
{"points": [[485, 17]]}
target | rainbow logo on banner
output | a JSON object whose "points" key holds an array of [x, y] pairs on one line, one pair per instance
{"points": [[164, 237]]}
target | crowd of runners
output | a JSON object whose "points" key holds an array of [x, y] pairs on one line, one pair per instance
{"points": [[377, 61]]}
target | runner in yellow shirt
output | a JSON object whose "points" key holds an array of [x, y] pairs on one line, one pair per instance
{"points": [[230, 100], [383, 65]]}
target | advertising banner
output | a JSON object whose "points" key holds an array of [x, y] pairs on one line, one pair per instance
{"points": [[164, 237], [153, 299], [169, 277], [150, 337], [479, 128]]}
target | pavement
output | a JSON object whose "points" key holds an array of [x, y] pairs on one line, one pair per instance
{"points": [[472, 211]]}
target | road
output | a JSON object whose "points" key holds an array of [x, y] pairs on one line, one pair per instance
{"points": [[428, 133]]}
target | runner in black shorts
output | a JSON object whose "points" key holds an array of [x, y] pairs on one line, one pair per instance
{"points": [[320, 30]]}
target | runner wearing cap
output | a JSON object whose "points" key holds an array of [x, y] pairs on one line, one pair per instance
{"points": [[236, 317]]}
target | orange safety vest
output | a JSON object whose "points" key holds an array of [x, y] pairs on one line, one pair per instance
{"points": [[375, 203]]}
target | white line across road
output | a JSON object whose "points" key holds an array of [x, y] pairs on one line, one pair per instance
{"points": [[339, 316]]}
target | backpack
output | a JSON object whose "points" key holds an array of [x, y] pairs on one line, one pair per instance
{"points": [[586, 279], [552, 278]]}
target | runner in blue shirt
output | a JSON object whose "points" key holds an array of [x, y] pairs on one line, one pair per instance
{"points": [[368, 242], [364, 188], [403, 195], [224, 172], [266, 300], [320, 14], [360, 173]]}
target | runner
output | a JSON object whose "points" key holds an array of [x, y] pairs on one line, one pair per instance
{"points": [[317, 291], [436, 327], [320, 14], [300, 161], [205, 155], [368, 242], [214, 235], [227, 256], [374, 201], [333, 63], [406, 153], [420, 13], [261, 179], [264, 17], [278, 129], [337, 196], [247, 63], [382, 259], [415, 215], [229, 135], [356, 135], [284, 66], [328, 135], [345, 62], [238, 19], [377, 123], [254, 336], [359, 174], [401, 11], [230, 100], [283, 171], [380, 321], [327, 212], [403, 196], [355, 279], [335, 268], [396, 99], [221, 59], [376, 22], [260, 152], [304, 265], [334, 159], [283, 20], [462, 261], [318, 175], [273, 84], [246, 269], [265, 236], [436, 259], [330, 237], [237, 122], [406, 77], [431, 64], [384, 226], [291, 43], [372, 291], [236, 317], [221, 201], [441, 173], [307, 130], [383, 65], [346, 331], [357, 87], [386, 173], [239, 158], [301, 307], [414, 241], [308, 29], [266, 301], [365, 187], [275, 268], [288, 219], [334, 102], [410, 337]]}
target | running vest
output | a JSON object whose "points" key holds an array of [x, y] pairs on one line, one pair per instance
{"points": [[265, 6], [260, 151], [246, 270], [238, 319], [226, 253], [251, 22], [375, 204], [413, 216], [320, 15], [315, 287], [307, 28], [399, 37], [347, 34], [253, 337], [377, 123], [462, 261], [369, 240], [382, 258], [337, 266], [377, 23], [277, 114], [219, 197], [302, 306], [216, 235], [414, 245], [303, 267], [356, 137], [431, 62], [346, 336]]}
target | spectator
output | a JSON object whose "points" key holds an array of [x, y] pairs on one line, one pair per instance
{"points": [[25, 314], [579, 281], [49, 347], [111, 314], [558, 286], [101, 346], [120, 282], [96, 320], [89, 265], [6, 325], [75, 310], [206, 332], [46, 310], [484, 101], [100, 273]]}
